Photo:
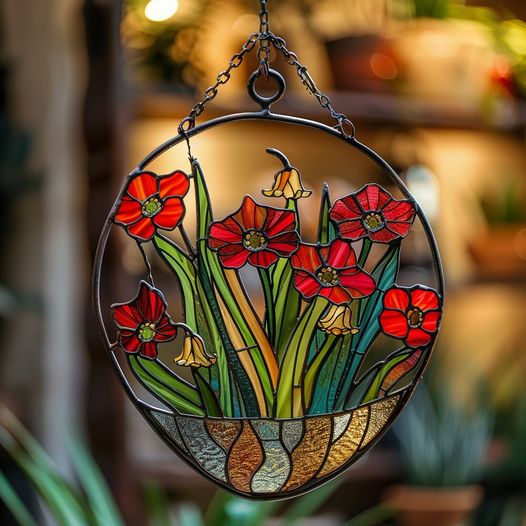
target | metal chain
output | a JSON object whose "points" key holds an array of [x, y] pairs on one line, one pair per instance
{"points": [[264, 26], [345, 126], [189, 122], [264, 46]]}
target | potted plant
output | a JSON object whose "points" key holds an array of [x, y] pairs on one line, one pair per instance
{"points": [[506, 481], [505, 216], [442, 447]]}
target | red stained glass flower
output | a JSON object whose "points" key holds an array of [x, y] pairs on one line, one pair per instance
{"points": [[372, 212], [143, 322], [330, 271], [152, 202], [411, 315], [255, 234]]}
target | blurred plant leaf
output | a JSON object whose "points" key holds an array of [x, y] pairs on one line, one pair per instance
{"points": [[231, 510], [189, 515], [98, 496], [13, 503], [60, 496], [157, 505], [305, 506], [372, 517], [442, 443]]}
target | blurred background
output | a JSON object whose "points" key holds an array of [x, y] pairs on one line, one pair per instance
{"points": [[437, 87]]}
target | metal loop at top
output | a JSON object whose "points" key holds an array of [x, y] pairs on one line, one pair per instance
{"points": [[266, 102]]}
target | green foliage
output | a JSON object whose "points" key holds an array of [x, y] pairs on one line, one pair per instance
{"points": [[372, 517], [506, 482], [505, 206], [422, 8], [88, 504], [442, 443]]}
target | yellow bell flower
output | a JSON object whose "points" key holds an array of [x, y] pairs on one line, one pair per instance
{"points": [[287, 182], [338, 321], [194, 353]]}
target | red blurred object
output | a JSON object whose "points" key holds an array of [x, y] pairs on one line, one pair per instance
{"points": [[502, 76], [363, 63]]}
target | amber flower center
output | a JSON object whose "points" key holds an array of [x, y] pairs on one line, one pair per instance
{"points": [[373, 221], [254, 240], [151, 207], [146, 332], [328, 276], [415, 317]]}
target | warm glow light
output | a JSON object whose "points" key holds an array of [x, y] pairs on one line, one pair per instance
{"points": [[161, 10], [384, 66]]}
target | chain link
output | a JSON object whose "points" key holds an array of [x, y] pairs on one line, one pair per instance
{"points": [[264, 26], [189, 122], [264, 46], [345, 126]]}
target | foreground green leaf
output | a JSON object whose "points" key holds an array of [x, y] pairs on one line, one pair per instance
{"points": [[95, 488], [64, 502], [13, 503]]}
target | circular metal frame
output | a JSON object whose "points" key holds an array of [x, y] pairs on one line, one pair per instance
{"points": [[186, 135]]}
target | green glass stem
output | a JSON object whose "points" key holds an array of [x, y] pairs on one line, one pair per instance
{"points": [[270, 311], [364, 253]]}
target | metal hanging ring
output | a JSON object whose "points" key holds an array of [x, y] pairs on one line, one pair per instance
{"points": [[266, 102]]}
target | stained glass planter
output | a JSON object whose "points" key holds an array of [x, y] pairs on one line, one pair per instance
{"points": [[269, 458]]}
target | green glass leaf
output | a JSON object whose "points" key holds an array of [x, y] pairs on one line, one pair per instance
{"points": [[383, 371], [214, 281], [286, 301], [199, 317], [164, 375], [320, 384], [290, 392], [270, 310], [326, 230], [370, 308], [150, 374], [315, 381], [369, 312], [207, 394], [360, 389]]}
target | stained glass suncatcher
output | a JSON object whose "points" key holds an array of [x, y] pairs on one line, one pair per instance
{"points": [[279, 403]]}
